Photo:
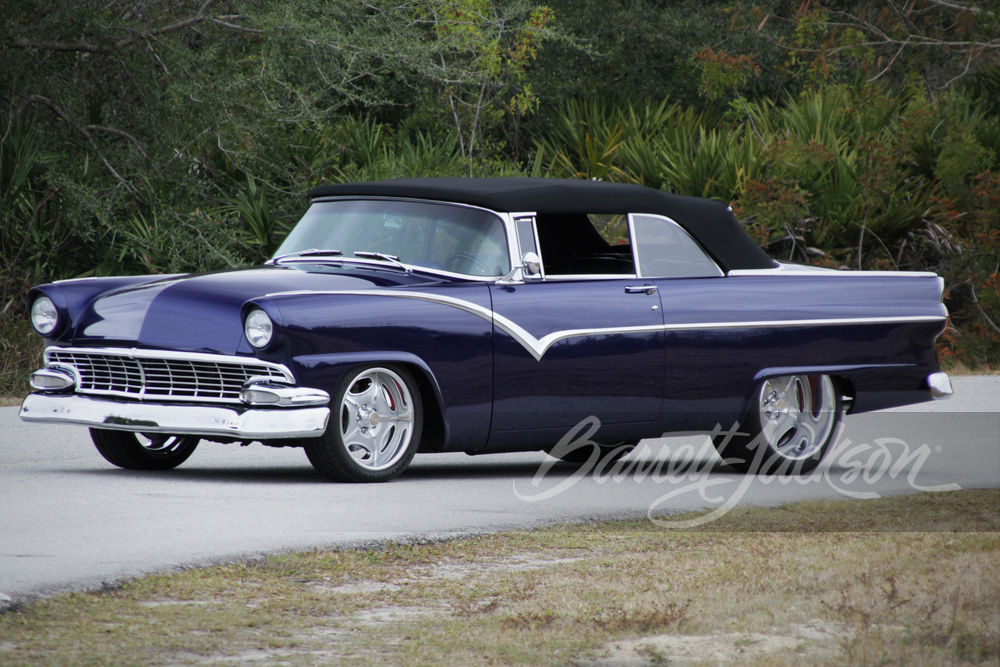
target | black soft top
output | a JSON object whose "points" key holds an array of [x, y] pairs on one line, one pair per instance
{"points": [[711, 222]]}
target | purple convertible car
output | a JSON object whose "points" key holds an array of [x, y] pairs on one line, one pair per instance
{"points": [[487, 315]]}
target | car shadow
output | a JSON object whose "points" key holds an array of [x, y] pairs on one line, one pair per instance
{"points": [[471, 469], [528, 469], [304, 474]]}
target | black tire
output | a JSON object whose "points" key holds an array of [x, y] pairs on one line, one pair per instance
{"points": [[791, 423], [143, 452], [376, 418], [581, 455]]}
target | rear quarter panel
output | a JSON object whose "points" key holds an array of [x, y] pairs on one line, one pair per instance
{"points": [[874, 332]]}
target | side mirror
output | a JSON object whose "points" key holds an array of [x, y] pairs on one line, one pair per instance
{"points": [[532, 264], [530, 267]]}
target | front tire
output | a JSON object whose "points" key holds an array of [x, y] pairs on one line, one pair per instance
{"points": [[136, 451], [788, 429], [375, 425]]}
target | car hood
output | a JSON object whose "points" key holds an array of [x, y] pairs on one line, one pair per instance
{"points": [[202, 313]]}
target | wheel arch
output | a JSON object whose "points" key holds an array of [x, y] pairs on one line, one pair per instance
{"points": [[331, 368], [840, 375]]}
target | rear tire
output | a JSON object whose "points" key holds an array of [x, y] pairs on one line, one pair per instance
{"points": [[135, 451], [789, 428], [376, 418]]}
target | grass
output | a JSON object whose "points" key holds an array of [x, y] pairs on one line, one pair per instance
{"points": [[20, 354], [845, 582], [958, 368]]}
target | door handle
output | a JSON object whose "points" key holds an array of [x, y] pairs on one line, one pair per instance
{"points": [[640, 289]]}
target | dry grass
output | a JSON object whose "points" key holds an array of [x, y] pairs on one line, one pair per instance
{"points": [[959, 368], [20, 354], [779, 586]]}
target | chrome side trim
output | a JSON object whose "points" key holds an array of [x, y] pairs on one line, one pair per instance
{"points": [[590, 276], [241, 424], [781, 270], [940, 385], [164, 277], [537, 347]]}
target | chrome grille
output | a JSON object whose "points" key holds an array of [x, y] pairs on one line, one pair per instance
{"points": [[171, 376]]}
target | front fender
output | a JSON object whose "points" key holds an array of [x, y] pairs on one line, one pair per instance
{"points": [[71, 298], [322, 335], [327, 370]]}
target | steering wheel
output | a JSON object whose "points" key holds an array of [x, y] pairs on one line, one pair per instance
{"points": [[457, 258]]}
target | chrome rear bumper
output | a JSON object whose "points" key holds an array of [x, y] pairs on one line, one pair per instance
{"points": [[940, 385], [177, 419]]}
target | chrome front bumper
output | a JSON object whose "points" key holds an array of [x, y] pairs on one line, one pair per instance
{"points": [[178, 419]]}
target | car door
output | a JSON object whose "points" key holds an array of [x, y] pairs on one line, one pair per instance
{"points": [[705, 365], [568, 347]]}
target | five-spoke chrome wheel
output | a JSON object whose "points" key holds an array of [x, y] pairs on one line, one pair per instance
{"points": [[789, 426], [374, 428]]}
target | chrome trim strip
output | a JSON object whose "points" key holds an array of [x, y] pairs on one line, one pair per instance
{"points": [[164, 277], [590, 276], [537, 347], [822, 271], [826, 322], [201, 420], [940, 385]]}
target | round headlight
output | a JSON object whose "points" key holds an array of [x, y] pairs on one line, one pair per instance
{"points": [[44, 316], [258, 328]]}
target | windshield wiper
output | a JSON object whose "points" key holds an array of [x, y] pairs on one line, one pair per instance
{"points": [[312, 252], [392, 259]]}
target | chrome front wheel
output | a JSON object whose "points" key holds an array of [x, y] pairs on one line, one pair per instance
{"points": [[374, 427]]}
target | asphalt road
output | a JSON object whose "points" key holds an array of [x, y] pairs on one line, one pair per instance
{"points": [[71, 521]]}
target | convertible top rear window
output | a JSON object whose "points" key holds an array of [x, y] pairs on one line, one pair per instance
{"points": [[438, 236], [665, 250]]}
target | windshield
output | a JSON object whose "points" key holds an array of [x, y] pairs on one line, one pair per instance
{"points": [[437, 236]]}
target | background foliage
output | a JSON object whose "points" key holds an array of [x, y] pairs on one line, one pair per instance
{"points": [[161, 136]]}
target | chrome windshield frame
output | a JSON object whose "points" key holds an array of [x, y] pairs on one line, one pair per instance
{"points": [[505, 220]]}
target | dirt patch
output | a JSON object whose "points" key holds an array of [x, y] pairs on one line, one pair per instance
{"points": [[447, 569], [813, 640]]}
